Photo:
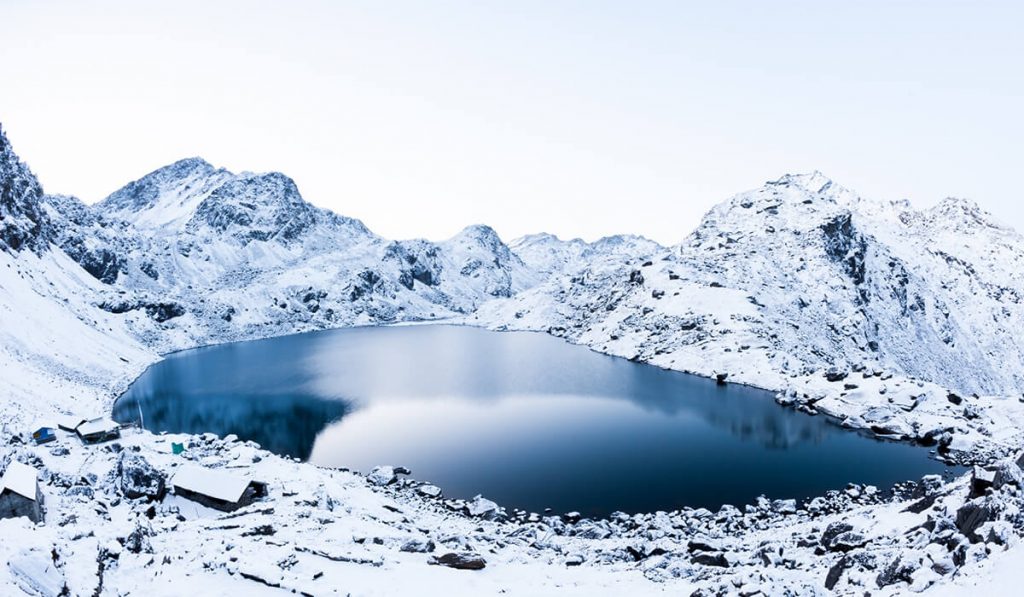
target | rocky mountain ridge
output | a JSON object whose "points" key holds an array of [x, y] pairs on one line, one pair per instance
{"points": [[803, 275]]}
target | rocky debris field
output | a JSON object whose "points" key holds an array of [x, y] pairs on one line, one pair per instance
{"points": [[113, 520]]}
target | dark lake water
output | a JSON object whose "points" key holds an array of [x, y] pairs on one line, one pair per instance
{"points": [[524, 419]]}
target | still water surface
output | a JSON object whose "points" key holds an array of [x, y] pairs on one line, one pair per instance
{"points": [[524, 419]]}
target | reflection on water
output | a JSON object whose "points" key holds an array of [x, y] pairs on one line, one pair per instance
{"points": [[523, 418]]}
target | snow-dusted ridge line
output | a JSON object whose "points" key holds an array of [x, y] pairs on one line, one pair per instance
{"points": [[776, 287]]}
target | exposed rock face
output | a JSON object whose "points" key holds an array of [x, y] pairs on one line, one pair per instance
{"points": [[258, 207], [972, 515], [23, 225]]}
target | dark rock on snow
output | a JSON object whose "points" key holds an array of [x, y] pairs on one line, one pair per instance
{"points": [[460, 561], [138, 479]]}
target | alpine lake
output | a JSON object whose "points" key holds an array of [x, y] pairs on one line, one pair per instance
{"points": [[524, 419]]}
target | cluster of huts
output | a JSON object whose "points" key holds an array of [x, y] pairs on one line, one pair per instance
{"points": [[20, 494]]}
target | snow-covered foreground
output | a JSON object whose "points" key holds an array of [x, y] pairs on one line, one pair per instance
{"points": [[906, 323]]}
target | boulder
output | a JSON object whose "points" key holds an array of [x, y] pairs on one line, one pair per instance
{"points": [[832, 531], [418, 546], [705, 558], [482, 507], [382, 475], [848, 541], [972, 515], [898, 570], [138, 540], [703, 544], [1006, 473], [981, 480], [592, 530], [428, 490], [460, 561], [835, 375], [784, 506], [138, 479], [836, 572]]}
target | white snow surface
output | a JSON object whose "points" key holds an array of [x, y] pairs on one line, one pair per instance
{"points": [[780, 287]]}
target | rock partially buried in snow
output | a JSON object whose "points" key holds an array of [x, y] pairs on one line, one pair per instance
{"points": [[386, 475], [835, 375], [431, 491], [460, 561], [482, 507], [418, 546], [138, 478]]}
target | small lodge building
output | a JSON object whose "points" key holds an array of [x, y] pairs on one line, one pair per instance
{"points": [[98, 430], [20, 494], [217, 489], [43, 435]]}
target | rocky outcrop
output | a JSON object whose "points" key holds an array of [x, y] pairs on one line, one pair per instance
{"points": [[23, 224]]}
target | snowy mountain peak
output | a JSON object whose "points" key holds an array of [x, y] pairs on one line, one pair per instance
{"points": [[479, 233], [192, 195], [813, 182], [959, 212], [168, 195]]}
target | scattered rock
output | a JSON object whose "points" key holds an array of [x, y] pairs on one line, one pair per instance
{"points": [[382, 475], [138, 540], [847, 541], [981, 481], [704, 558], [482, 507], [972, 515], [836, 572], [431, 491], [835, 375], [899, 570], [832, 531], [418, 546], [138, 478], [460, 561]]}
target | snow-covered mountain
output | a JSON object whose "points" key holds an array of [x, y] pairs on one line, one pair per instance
{"points": [[216, 255], [802, 275]]}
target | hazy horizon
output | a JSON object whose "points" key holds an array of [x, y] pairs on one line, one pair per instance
{"points": [[574, 118]]}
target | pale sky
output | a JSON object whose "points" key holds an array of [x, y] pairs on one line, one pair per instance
{"points": [[579, 118]]}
